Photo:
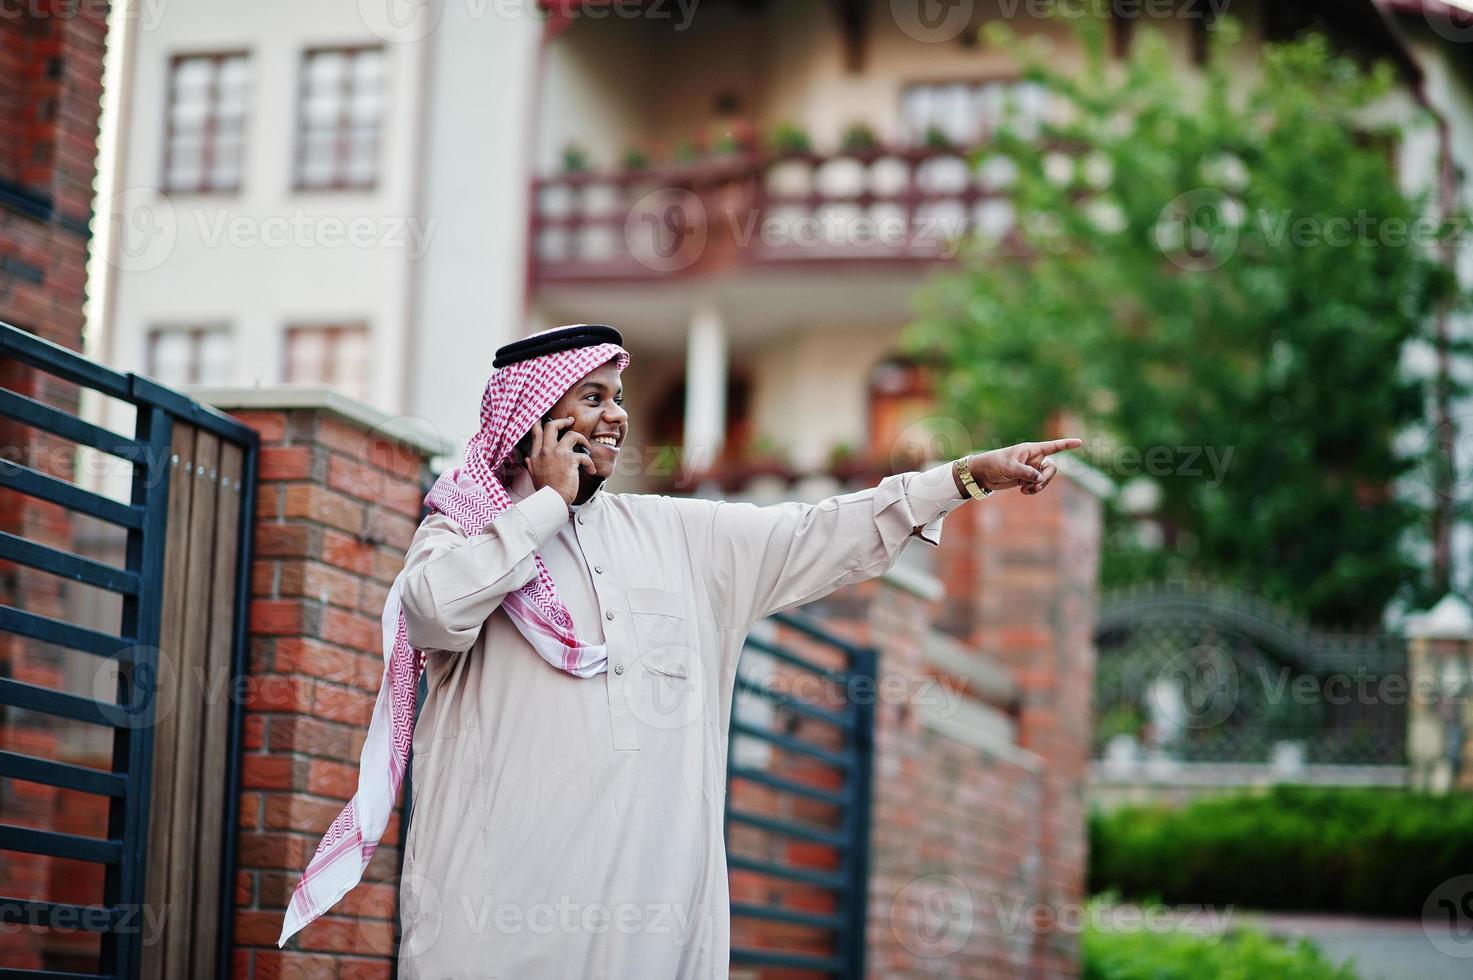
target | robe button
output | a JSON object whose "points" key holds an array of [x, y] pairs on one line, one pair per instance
{"points": [[609, 614], [599, 569], [618, 668]]}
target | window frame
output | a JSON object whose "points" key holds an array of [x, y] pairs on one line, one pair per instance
{"points": [[196, 333], [971, 82], [207, 140], [334, 329], [341, 128]]}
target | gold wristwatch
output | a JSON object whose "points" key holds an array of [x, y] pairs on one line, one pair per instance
{"points": [[964, 474]]}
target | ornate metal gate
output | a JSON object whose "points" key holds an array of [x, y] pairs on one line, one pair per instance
{"points": [[151, 585], [1196, 673], [798, 800]]}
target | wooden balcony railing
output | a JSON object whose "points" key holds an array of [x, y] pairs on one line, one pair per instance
{"points": [[884, 205]]}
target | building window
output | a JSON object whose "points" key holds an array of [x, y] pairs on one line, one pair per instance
{"points": [[189, 355], [205, 144], [336, 356], [339, 119], [968, 113]]}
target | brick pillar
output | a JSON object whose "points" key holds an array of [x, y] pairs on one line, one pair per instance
{"points": [[985, 672], [50, 87], [338, 500], [1440, 715], [1020, 574]]}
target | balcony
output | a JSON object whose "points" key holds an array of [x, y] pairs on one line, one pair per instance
{"points": [[882, 206]]}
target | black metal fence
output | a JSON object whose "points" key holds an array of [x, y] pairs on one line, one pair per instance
{"points": [[133, 647], [1197, 673], [820, 788]]}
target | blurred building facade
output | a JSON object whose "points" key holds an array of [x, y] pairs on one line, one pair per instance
{"points": [[374, 199]]}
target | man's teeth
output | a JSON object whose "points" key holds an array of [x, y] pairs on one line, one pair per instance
{"points": [[609, 441]]}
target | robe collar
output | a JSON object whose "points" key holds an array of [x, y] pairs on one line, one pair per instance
{"points": [[521, 487]]}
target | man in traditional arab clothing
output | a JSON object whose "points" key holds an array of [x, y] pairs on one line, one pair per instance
{"points": [[580, 648]]}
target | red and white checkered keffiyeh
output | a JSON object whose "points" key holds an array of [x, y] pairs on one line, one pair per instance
{"points": [[516, 398]]}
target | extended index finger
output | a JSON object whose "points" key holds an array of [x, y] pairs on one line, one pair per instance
{"points": [[1057, 445]]}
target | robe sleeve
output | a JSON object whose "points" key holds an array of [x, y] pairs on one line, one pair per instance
{"points": [[452, 581], [762, 560]]}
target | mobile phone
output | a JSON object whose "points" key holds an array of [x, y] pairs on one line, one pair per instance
{"points": [[524, 444]]}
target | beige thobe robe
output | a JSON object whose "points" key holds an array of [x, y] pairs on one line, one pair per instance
{"points": [[567, 828]]}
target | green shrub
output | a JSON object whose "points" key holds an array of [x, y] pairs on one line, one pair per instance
{"points": [[1240, 955], [1370, 852]]}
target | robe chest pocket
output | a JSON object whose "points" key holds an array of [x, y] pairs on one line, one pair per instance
{"points": [[666, 644]]}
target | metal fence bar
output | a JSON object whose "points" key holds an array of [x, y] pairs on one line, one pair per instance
{"points": [[92, 918], [788, 785], [32, 697], [28, 840], [775, 914], [788, 657], [789, 829], [32, 483], [57, 562], [29, 348], [835, 759], [49, 630], [838, 720], [800, 961], [807, 876], [30, 412], [864, 662], [239, 668], [133, 746], [83, 779]]}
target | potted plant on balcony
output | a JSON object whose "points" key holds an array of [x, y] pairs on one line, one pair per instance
{"points": [[735, 139], [636, 159], [790, 139], [859, 139], [762, 457], [688, 152], [936, 139], [846, 464], [575, 159]]}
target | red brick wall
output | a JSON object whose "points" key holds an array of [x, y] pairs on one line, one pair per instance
{"points": [[1023, 570], [50, 87], [336, 509]]}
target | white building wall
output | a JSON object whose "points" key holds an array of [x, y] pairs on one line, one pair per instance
{"points": [[266, 256], [470, 289], [810, 389]]}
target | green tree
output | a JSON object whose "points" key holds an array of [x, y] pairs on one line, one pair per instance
{"points": [[1215, 277]]}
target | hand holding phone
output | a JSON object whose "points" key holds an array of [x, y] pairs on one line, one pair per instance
{"points": [[551, 458]]}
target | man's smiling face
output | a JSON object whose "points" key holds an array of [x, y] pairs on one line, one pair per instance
{"points": [[596, 403]]}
